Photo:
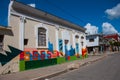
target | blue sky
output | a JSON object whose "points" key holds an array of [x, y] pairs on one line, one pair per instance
{"points": [[95, 15]]}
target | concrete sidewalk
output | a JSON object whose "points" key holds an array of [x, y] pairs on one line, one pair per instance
{"points": [[50, 71]]}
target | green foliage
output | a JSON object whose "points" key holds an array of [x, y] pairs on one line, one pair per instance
{"points": [[111, 43], [117, 43], [114, 43]]}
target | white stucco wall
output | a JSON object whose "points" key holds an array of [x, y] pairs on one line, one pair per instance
{"points": [[95, 43]]}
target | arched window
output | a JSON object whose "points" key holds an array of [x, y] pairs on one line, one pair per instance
{"points": [[76, 36], [82, 37], [42, 37]]}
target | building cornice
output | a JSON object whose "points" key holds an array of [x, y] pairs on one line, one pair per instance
{"points": [[39, 14]]}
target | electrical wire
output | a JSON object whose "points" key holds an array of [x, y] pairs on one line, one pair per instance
{"points": [[64, 11]]}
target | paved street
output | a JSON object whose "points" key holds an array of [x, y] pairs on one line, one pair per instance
{"points": [[105, 69], [43, 73]]}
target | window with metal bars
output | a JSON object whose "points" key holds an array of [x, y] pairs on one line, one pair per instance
{"points": [[41, 37]]}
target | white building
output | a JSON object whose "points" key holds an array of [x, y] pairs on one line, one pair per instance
{"points": [[94, 41], [40, 35]]}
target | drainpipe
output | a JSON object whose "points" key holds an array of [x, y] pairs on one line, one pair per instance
{"points": [[57, 30], [9, 11], [21, 33]]}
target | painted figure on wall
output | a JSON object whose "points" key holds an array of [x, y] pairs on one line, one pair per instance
{"points": [[67, 54]]}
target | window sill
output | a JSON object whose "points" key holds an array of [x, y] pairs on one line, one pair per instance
{"points": [[42, 47]]}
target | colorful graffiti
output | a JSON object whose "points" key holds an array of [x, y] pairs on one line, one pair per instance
{"points": [[41, 58], [72, 51], [50, 46], [60, 45], [67, 53], [34, 58], [77, 48], [39, 55], [84, 52]]}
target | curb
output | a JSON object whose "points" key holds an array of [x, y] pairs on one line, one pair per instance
{"points": [[67, 70], [50, 75]]}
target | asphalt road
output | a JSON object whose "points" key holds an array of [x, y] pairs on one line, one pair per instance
{"points": [[105, 69]]}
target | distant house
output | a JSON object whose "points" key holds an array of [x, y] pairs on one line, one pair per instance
{"points": [[42, 37], [114, 40], [95, 42], [116, 37]]}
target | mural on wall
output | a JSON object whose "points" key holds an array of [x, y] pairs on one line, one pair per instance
{"points": [[35, 54], [9, 55], [84, 52], [65, 49], [50, 46], [39, 55], [77, 47], [67, 52], [77, 50], [34, 58], [60, 45], [72, 51]]}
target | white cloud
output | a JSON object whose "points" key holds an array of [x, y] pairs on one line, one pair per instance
{"points": [[32, 5], [90, 29], [108, 28], [119, 34], [114, 12]]}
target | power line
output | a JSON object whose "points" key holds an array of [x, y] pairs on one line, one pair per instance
{"points": [[64, 11]]}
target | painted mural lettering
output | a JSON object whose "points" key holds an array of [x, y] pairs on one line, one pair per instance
{"points": [[49, 54], [22, 56], [42, 56], [57, 53], [28, 56], [39, 55], [36, 55]]}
